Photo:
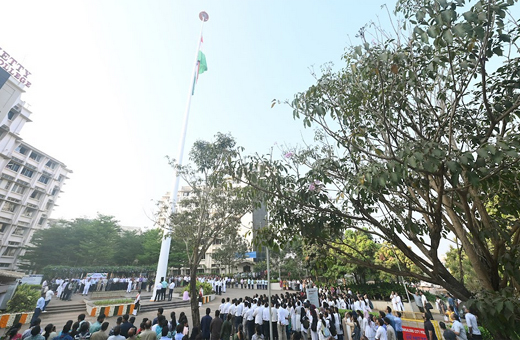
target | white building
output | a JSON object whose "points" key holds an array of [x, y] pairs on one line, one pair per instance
{"points": [[207, 264], [30, 180]]}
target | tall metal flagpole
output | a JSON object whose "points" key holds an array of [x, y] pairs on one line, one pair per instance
{"points": [[162, 265]]}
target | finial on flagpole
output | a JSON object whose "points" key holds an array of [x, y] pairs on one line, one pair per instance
{"points": [[203, 16]]}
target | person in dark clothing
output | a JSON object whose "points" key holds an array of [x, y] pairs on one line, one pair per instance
{"points": [[428, 328], [227, 328], [216, 326], [205, 322], [125, 326]]}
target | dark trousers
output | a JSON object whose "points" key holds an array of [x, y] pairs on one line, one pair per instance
{"points": [[399, 335], [163, 294], [275, 330], [238, 321], [36, 314], [170, 295], [250, 328], [265, 329]]}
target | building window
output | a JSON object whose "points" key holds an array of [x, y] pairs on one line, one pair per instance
{"points": [[13, 166], [50, 164], [29, 212], [13, 243], [9, 206], [19, 231], [22, 149], [4, 265], [3, 227], [17, 188], [36, 195], [42, 219], [44, 179], [60, 178], [27, 172], [5, 184], [10, 251], [55, 191], [36, 156], [11, 114]]}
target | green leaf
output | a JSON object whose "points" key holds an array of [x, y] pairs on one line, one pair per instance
{"points": [[510, 306], [448, 36]]}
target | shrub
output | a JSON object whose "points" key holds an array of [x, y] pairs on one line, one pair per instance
{"points": [[113, 302], [206, 287], [343, 311], [24, 299]]}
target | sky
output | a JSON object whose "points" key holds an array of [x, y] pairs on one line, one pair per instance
{"points": [[110, 82]]}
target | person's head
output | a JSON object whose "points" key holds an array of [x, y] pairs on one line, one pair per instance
{"points": [[117, 330], [208, 311], [223, 300], [454, 317], [164, 331], [398, 314], [388, 310], [81, 317], [101, 318], [104, 326], [179, 328], [36, 330], [148, 324], [132, 320], [382, 314], [442, 325], [386, 321], [119, 320], [160, 310], [131, 332], [66, 328], [84, 327], [229, 317], [49, 328], [217, 313], [126, 317]]}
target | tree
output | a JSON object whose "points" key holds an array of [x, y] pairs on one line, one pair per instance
{"points": [[79, 242], [415, 137], [151, 241], [178, 257], [458, 263], [390, 257], [212, 209], [232, 250]]}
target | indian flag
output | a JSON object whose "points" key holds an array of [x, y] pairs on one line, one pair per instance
{"points": [[202, 66]]}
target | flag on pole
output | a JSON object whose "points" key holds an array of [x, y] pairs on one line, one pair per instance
{"points": [[202, 66]]}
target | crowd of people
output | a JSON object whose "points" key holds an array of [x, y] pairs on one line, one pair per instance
{"points": [[254, 316]]}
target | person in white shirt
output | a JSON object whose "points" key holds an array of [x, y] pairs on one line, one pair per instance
{"points": [[48, 296], [258, 315], [283, 322], [458, 328], [171, 287], [394, 301], [265, 320], [381, 331], [471, 322]]}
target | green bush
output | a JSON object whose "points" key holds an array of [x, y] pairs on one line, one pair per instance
{"points": [[206, 287], [343, 311], [113, 302], [24, 299]]}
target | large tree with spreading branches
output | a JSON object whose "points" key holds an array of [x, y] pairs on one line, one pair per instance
{"points": [[417, 140]]}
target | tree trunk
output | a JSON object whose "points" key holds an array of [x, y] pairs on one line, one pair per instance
{"points": [[194, 298]]}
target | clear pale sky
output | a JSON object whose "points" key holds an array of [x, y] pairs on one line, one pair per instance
{"points": [[111, 78]]}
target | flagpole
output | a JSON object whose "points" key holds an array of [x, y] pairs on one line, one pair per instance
{"points": [[162, 265]]}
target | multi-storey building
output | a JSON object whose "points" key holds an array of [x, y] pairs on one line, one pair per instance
{"points": [[249, 223], [30, 180]]}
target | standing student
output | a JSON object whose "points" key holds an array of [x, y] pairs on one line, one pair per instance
{"points": [[40, 305]]}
